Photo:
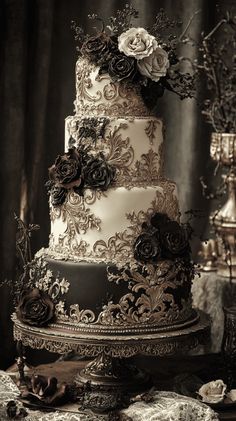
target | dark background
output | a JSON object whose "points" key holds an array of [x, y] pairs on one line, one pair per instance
{"points": [[37, 90]]}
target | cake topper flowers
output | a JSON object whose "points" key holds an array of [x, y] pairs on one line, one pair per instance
{"points": [[145, 57]]}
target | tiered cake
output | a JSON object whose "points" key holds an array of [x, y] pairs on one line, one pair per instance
{"points": [[118, 260]]}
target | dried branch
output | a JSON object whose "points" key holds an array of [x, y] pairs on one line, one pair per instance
{"points": [[217, 66], [181, 37]]}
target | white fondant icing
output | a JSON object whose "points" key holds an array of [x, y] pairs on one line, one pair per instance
{"points": [[97, 94], [131, 142], [129, 134], [112, 210]]}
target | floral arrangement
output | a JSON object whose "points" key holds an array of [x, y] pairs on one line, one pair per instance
{"points": [[136, 55], [78, 169], [161, 239]]}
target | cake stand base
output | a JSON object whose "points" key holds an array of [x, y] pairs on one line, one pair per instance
{"points": [[110, 379], [110, 382]]}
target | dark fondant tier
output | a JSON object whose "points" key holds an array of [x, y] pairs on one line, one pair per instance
{"points": [[103, 299]]}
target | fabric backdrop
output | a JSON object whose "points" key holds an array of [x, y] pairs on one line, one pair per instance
{"points": [[37, 89]]}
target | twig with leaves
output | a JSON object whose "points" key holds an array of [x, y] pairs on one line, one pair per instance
{"points": [[24, 254]]}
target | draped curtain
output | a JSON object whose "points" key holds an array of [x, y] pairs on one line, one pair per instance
{"points": [[37, 89]]}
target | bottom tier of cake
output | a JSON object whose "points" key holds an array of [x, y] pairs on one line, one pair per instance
{"points": [[106, 299]]}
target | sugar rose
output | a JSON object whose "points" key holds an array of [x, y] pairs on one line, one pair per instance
{"points": [[58, 195], [98, 174], [155, 65], [35, 308], [147, 248], [213, 392], [174, 238], [98, 48], [66, 172], [121, 67], [137, 43]]}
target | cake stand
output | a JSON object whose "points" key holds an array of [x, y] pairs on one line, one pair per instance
{"points": [[110, 377]]}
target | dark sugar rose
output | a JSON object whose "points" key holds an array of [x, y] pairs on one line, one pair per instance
{"points": [[46, 390], [159, 219], [174, 238], [92, 128], [66, 172], [86, 132], [35, 308], [122, 67], [58, 195], [98, 174], [15, 410], [98, 49], [11, 409], [147, 248]]}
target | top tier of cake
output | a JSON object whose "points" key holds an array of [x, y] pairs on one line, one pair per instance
{"points": [[111, 118], [98, 95]]}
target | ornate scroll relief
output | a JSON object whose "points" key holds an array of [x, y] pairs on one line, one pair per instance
{"points": [[150, 130], [119, 247], [45, 280], [121, 155], [81, 316], [146, 168], [77, 217], [83, 70], [151, 297], [109, 99], [68, 246]]}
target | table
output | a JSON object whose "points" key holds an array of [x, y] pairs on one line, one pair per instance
{"points": [[210, 293], [208, 367]]}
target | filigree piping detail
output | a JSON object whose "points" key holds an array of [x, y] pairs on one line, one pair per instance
{"points": [[120, 154], [41, 277], [35, 338], [109, 99], [84, 82], [147, 168], [151, 298], [119, 246], [74, 213], [68, 247], [81, 316], [150, 130]]}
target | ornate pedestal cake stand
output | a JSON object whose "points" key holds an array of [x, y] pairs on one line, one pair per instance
{"points": [[111, 376]]}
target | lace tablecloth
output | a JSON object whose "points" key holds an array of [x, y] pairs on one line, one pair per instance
{"points": [[210, 293], [165, 406]]}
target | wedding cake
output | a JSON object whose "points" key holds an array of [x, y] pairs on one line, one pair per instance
{"points": [[118, 260]]}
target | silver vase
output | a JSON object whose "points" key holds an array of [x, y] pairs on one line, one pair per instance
{"points": [[223, 150]]}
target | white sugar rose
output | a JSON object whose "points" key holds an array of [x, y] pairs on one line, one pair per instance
{"points": [[137, 43], [154, 66], [231, 396], [213, 392]]}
